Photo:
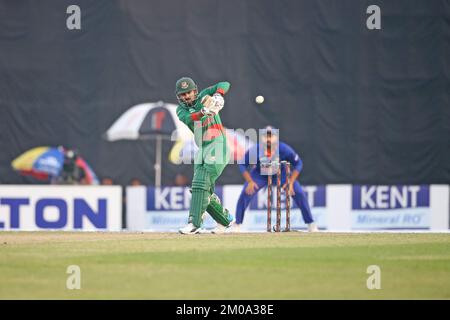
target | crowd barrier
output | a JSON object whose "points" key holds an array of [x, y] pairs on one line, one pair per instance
{"points": [[69, 208], [334, 208]]}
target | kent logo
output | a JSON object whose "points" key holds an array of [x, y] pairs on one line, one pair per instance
{"points": [[59, 208], [171, 198], [389, 197], [316, 198]]}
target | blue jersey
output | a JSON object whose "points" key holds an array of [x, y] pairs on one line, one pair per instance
{"points": [[284, 153]]}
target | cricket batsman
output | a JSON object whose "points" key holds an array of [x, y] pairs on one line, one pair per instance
{"points": [[255, 181], [200, 112]]}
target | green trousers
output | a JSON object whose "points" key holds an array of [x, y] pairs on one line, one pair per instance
{"points": [[209, 164]]}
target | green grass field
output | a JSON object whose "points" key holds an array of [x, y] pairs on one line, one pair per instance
{"points": [[232, 266]]}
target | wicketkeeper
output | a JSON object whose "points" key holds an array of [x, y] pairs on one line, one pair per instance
{"points": [[255, 181], [200, 112]]}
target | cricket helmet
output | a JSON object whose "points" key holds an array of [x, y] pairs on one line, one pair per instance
{"points": [[184, 85], [270, 130]]}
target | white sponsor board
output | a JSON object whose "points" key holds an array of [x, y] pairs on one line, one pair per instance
{"points": [[334, 208], [255, 218], [160, 209], [375, 207], [71, 208], [167, 208]]}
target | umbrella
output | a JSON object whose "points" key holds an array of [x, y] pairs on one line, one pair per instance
{"points": [[146, 120], [45, 163], [153, 120]]}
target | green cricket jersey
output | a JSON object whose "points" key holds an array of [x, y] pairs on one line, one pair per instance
{"points": [[211, 127]]}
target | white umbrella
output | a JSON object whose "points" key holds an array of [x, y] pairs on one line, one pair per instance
{"points": [[154, 120]]}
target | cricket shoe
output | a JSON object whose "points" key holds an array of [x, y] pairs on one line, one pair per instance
{"points": [[220, 229], [205, 231], [236, 228], [189, 229], [312, 227], [225, 229], [231, 218]]}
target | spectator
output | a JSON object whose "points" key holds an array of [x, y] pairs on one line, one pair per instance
{"points": [[107, 181], [135, 182], [181, 180], [71, 173]]}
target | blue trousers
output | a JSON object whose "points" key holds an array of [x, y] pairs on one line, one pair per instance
{"points": [[300, 197]]}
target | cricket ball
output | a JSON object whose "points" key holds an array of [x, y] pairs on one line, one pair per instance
{"points": [[259, 99]]}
